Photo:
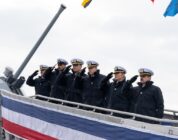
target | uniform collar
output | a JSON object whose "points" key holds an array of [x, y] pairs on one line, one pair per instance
{"points": [[57, 70], [147, 84], [118, 82], [96, 74], [75, 73]]}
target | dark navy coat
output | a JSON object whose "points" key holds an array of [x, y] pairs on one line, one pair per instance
{"points": [[74, 87], [58, 89], [148, 100], [116, 98], [42, 86], [51, 75], [93, 93]]}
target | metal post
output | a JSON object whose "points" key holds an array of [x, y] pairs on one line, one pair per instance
{"points": [[20, 69]]}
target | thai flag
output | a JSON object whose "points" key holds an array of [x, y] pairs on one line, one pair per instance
{"points": [[35, 120]]}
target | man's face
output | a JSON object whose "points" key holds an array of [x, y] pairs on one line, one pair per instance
{"points": [[119, 76], [144, 78], [42, 71], [77, 68], [61, 67], [92, 70]]}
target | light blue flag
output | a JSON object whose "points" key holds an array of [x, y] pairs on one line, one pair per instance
{"points": [[172, 9]]}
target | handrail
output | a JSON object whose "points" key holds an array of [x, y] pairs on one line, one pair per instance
{"points": [[169, 110], [110, 111], [171, 113]]}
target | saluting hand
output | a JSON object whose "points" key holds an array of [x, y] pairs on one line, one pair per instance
{"points": [[133, 79], [83, 71], [67, 69], [48, 70], [35, 73], [109, 76], [106, 79]]}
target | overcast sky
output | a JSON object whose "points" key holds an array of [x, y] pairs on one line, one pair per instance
{"points": [[129, 33]]}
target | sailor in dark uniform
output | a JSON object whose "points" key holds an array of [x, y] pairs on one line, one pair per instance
{"points": [[117, 98], [41, 84], [93, 93], [51, 73], [59, 76], [74, 81], [61, 63], [147, 98]]}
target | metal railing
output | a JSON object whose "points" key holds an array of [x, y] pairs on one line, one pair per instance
{"points": [[105, 111], [171, 114]]}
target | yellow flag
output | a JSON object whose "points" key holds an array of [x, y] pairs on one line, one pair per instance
{"points": [[85, 3]]}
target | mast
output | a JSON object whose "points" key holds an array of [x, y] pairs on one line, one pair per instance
{"points": [[36, 46]]}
